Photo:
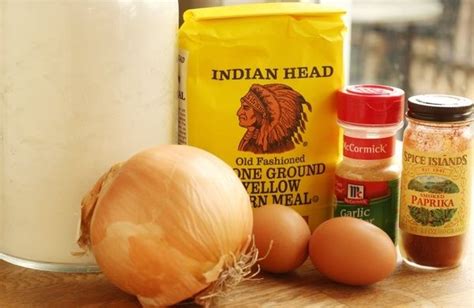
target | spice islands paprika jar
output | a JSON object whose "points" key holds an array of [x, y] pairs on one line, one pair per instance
{"points": [[436, 181], [367, 178]]}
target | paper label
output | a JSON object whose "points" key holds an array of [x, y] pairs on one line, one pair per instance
{"points": [[182, 95], [375, 202], [435, 197], [369, 149]]}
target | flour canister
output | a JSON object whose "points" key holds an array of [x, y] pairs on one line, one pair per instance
{"points": [[83, 84]]}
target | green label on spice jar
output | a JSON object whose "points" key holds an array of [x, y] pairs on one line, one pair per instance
{"points": [[375, 202]]}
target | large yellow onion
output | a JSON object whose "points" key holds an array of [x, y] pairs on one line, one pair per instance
{"points": [[166, 223]]}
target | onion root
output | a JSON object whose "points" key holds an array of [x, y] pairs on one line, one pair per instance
{"points": [[236, 270]]}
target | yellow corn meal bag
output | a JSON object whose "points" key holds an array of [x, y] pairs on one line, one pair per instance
{"points": [[257, 89]]}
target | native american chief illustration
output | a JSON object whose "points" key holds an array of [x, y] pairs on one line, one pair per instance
{"points": [[274, 118]]}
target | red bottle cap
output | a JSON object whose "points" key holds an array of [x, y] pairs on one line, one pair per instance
{"points": [[369, 104]]}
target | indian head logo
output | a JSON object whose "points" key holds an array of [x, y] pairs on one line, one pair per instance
{"points": [[274, 118]]}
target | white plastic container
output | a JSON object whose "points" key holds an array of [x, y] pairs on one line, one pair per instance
{"points": [[83, 84]]}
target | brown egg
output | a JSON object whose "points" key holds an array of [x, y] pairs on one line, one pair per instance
{"points": [[290, 235], [352, 251]]}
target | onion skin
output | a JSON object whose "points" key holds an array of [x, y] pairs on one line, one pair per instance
{"points": [[164, 227]]}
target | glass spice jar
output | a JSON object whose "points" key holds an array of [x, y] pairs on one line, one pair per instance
{"points": [[436, 181], [367, 178]]}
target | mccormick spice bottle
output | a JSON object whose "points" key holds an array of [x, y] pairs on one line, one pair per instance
{"points": [[436, 181], [367, 178]]}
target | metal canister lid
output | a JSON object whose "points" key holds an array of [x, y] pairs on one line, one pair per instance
{"points": [[439, 108]]}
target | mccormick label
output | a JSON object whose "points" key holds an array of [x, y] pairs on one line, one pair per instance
{"points": [[434, 199], [375, 202], [369, 149]]}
